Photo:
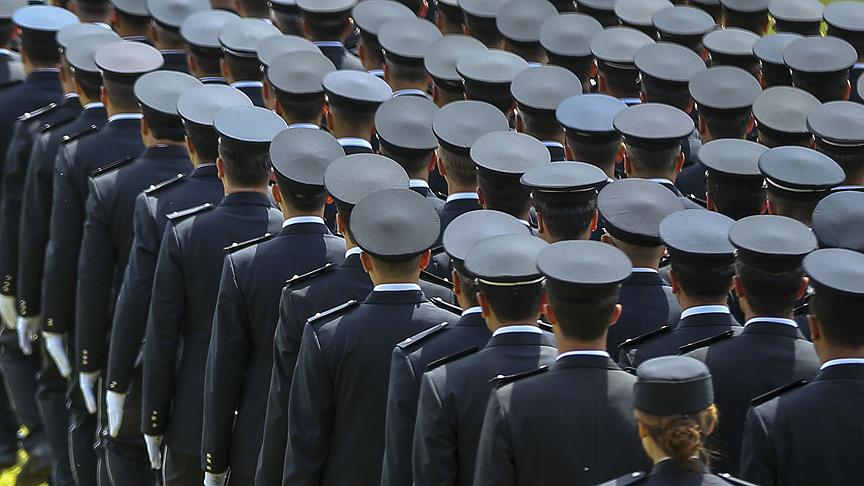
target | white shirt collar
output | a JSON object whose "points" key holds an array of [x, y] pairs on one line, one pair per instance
{"points": [[377, 72], [396, 287], [355, 142], [553, 143], [842, 361], [247, 84], [661, 180], [705, 309], [47, 70], [3, 50], [517, 328], [774, 320], [583, 353], [353, 251], [858, 65], [472, 310], [409, 92], [125, 116], [418, 183], [458, 196], [94, 104], [846, 188], [70, 95], [304, 125], [644, 270], [302, 219], [328, 44], [172, 51]]}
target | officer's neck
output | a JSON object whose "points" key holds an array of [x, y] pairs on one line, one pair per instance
{"points": [[566, 345], [687, 302], [828, 351]]}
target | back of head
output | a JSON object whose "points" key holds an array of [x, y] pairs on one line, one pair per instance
{"points": [[838, 298]]}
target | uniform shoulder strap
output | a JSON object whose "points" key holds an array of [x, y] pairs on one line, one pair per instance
{"points": [[297, 279], [443, 304], [33, 115], [452, 357], [112, 166], [545, 326], [435, 279], [765, 397], [154, 188], [627, 479], [178, 215], [733, 480], [245, 244], [705, 342], [629, 343], [502, 380], [75, 136], [330, 314], [420, 336]]}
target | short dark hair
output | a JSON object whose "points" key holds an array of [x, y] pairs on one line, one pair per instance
{"points": [[770, 293], [288, 23], [246, 168], [207, 60], [800, 209], [138, 23], [852, 162], [328, 27], [673, 94], [601, 154], [773, 139], [91, 11], [704, 284], [504, 194], [514, 304], [825, 87], [345, 211], [121, 94], [841, 317], [243, 69], [567, 221], [621, 82], [39, 51], [309, 109], [371, 48], [581, 67], [90, 83], [749, 21], [653, 160], [304, 198], [737, 198], [163, 126], [469, 287], [256, 8], [459, 167], [541, 125], [726, 123], [483, 30], [205, 140], [411, 73], [583, 320], [526, 50], [168, 37], [414, 162]]}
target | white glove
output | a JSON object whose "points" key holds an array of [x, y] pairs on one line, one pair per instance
{"points": [[8, 311], [114, 401], [215, 479], [55, 343], [154, 450], [87, 382], [28, 331]]}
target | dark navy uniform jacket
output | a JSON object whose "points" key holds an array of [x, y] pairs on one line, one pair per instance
{"points": [[810, 434], [107, 241], [185, 288], [252, 89], [768, 354], [556, 151], [37, 203], [240, 358], [696, 324], [456, 205], [26, 129], [175, 60], [422, 188], [338, 399], [561, 426], [150, 218], [648, 304], [667, 473], [118, 139], [409, 362], [339, 55], [453, 399], [301, 299]]}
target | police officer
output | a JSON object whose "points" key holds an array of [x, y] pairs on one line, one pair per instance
{"points": [[370, 17], [638, 14], [614, 48], [352, 99], [455, 389], [701, 277], [683, 25], [488, 77], [537, 93], [734, 184], [769, 52], [519, 24], [11, 69], [240, 66], [836, 127], [194, 244], [440, 62], [479, 21], [632, 211], [395, 228], [197, 107], [821, 65], [732, 47], [273, 47], [844, 20], [405, 43], [602, 10], [788, 424], [131, 20], [836, 221], [803, 17], [582, 391], [328, 24], [751, 15], [167, 17], [449, 18], [200, 31], [285, 15], [781, 116], [294, 81], [248, 304], [412, 356], [589, 134], [676, 414], [566, 40], [770, 351]]}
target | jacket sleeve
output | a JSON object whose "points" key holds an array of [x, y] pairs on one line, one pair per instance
{"points": [[164, 326], [95, 277], [67, 221], [496, 465], [311, 409], [434, 452], [227, 360], [14, 173], [399, 426], [270, 459], [758, 458], [133, 303]]}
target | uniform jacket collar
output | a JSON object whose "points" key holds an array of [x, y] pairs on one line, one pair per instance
{"points": [[475, 319], [713, 319], [772, 329], [246, 199], [406, 297], [586, 361], [644, 278], [208, 170], [841, 372], [166, 152], [522, 338], [49, 76], [669, 467], [305, 229]]}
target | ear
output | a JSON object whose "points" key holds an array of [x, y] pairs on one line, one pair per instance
{"points": [[703, 128], [768, 207], [442, 169], [277, 194], [484, 304], [751, 124], [304, 27], [72, 7], [616, 314], [349, 28], [568, 152], [595, 222], [331, 125], [190, 147], [367, 263], [621, 152], [220, 168], [520, 125], [425, 258], [267, 95], [387, 76], [607, 239], [433, 162], [738, 287], [815, 328], [225, 70], [114, 19], [103, 95], [709, 198], [340, 223], [145, 127], [277, 107], [802, 290], [602, 86], [549, 312], [436, 96], [151, 32], [628, 166], [457, 283], [238, 7], [192, 65], [847, 91], [673, 281], [481, 199], [679, 162], [541, 225], [424, 9]]}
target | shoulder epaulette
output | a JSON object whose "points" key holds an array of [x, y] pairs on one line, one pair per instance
{"points": [[628, 479], [443, 304], [802, 309], [697, 200], [112, 166], [777, 392], [644, 337], [189, 212], [545, 326], [308, 275], [733, 480], [502, 380], [705, 342], [162, 185], [435, 279], [37, 113], [664, 261], [339, 309], [245, 244], [451, 358], [415, 339], [46, 128], [75, 136], [437, 249]]}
